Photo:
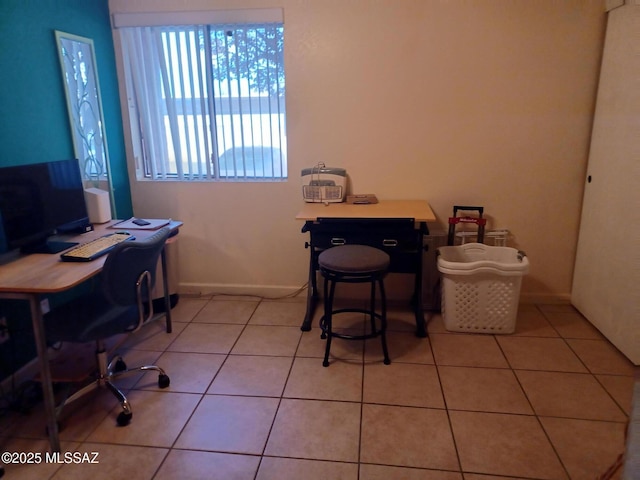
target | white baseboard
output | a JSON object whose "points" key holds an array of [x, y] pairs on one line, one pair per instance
{"points": [[400, 292], [24, 374], [529, 298]]}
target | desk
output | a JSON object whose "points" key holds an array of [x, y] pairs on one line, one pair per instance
{"points": [[395, 226], [31, 276]]}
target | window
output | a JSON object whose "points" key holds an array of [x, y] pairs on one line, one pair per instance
{"points": [[206, 101]]}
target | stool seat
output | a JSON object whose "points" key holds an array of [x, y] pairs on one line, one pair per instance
{"points": [[354, 264], [355, 259]]}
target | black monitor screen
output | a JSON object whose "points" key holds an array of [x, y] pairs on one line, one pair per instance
{"points": [[38, 200]]}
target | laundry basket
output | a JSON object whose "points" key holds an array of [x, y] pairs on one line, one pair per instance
{"points": [[481, 287]]}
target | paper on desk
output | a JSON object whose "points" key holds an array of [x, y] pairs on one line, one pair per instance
{"points": [[154, 224]]}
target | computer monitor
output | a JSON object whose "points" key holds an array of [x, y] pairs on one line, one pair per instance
{"points": [[39, 200]]}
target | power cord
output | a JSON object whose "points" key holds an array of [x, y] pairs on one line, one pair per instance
{"points": [[293, 294]]}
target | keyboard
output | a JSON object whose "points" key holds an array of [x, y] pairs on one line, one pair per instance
{"points": [[86, 252]]}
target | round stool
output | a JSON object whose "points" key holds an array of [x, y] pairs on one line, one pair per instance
{"points": [[354, 264]]}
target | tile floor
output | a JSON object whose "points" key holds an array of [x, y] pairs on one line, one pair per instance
{"points": [[249, 399]]}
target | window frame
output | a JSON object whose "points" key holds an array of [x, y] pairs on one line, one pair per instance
{"points": [[271, 163]]}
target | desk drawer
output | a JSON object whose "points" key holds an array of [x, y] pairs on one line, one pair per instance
{"points": [[394, 234], [393, 241], [403, 254], [402, 241]]}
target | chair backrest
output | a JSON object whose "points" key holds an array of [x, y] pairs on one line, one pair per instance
{"points": [[126, 262]]}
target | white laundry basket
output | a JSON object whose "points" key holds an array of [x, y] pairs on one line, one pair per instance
{"points": [[481, 287]]}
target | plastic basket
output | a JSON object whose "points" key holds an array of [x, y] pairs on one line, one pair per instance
{"points": [[481, 287]]}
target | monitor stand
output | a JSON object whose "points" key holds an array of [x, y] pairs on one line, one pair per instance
{"points": [[57, 246], [48, 246]]}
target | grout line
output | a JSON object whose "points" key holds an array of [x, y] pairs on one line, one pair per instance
{"points": [[280, 399], [446, 408], [362, 383]]}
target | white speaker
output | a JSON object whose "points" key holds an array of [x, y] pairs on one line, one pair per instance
{"points": [[98, 205]]}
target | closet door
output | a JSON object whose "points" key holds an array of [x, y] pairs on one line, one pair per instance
{"points": [[606, 283]]}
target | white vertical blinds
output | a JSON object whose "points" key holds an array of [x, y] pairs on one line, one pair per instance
{"points": [[206, 101]]}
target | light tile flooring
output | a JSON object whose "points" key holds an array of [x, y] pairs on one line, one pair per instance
{"points": [[249, 399]]}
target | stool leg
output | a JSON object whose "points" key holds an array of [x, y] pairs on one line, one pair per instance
{"points": [[323, 323], [328, 313], [372, 307], [383, 323]]}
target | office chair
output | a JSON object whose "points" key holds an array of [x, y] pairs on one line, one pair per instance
{"points": [[122, 304]]}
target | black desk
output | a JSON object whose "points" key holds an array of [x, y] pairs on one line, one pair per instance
{"points": [[395, 226]]}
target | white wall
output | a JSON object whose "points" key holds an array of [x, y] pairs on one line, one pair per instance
{"points": [[484, 102]]}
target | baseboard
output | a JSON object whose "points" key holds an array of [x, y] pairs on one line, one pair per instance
{"points": [[529, 298], [57, 357], [30, 370], [401, 292], [24, 374]]}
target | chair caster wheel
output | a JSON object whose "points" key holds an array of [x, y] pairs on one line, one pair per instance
{"points": [[163, 381], [325, 363], [323, 336], [124, 418], [120, 366], [387, 361]]}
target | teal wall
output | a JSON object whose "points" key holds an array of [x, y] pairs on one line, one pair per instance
{"points": [[34, 124]]}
